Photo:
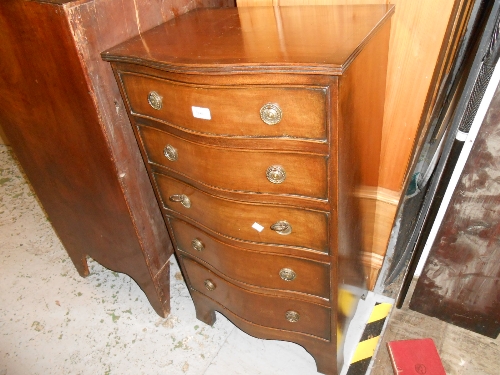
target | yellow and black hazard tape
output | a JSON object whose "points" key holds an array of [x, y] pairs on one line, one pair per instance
{"points": [[369, 340]]}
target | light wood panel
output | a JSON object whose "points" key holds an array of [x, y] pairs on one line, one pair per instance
{"points": [[378, 207], [443, 75], [416, 39], [418, 31]]}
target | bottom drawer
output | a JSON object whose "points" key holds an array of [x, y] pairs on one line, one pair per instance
{"points": [[269, 311]]}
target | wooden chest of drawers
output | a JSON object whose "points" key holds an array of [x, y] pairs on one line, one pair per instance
{"points": [[259, 126]]}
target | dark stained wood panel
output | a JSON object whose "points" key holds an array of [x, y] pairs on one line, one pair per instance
{"points": [[63, 116], [203, 40], [460, 283]]}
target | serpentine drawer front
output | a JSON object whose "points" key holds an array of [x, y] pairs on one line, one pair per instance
{"points": [[274, 271], [259, 128], [281, 225], [301, 110], [261, 309], [238, 169]]}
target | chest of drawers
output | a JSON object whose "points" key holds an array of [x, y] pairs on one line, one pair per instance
{"points": [[258, 126]]}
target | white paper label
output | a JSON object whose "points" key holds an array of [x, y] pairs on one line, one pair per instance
{"points": [[200, 112], [257, 227]]}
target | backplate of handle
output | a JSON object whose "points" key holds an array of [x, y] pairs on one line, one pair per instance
{"points": [[271, 113], [170, 153], [182, 198], [155, 100], [210, 285], [282, 227], [197, 244], [292, 316]]}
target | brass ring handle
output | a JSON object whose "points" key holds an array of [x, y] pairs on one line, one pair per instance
{"points": [[287, 274], [197, 245], [209, 285], [155, 100], [271, 113], [292, 316], [170, 152], [282, 227], [276, 174], [183, 199]]}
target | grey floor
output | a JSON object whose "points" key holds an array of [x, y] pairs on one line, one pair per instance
{"points": [[52, 321]]}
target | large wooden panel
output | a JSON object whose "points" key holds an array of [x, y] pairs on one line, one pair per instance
{"points": [[62, 113], [459, 283], [416, 40]]}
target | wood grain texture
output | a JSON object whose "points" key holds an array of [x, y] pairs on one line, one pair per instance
{"points": [[62, 113], [416, 40], [443, 77], [312, 277], [379, 208], [417, 35], [460, 281], [226, 43], [303, 108], [239, 169], [359, 144], [352, 80], [235, 218]]}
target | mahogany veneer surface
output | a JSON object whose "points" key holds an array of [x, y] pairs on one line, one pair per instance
{"points": [[299, 281], [63, 116]]}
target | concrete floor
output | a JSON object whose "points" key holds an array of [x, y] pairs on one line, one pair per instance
{"points": [[52, 321]]}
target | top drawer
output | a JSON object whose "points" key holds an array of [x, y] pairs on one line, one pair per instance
{"points": [[230, 110]]}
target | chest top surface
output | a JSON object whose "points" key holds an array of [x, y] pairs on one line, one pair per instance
{"points": [[305, 39]]}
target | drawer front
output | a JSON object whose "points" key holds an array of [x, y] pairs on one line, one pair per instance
{"points": [[245, 221], [259, 269], [233, 111], [265, 310], [240, 170]]}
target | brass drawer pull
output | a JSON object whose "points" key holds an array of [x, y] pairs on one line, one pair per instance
{"points": [[276, 174], [181, 198], [170, 152], [292, 316], [155, 100], [282, 227], [209, 285], [197, 245], [287, 274], [271, 113]]}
